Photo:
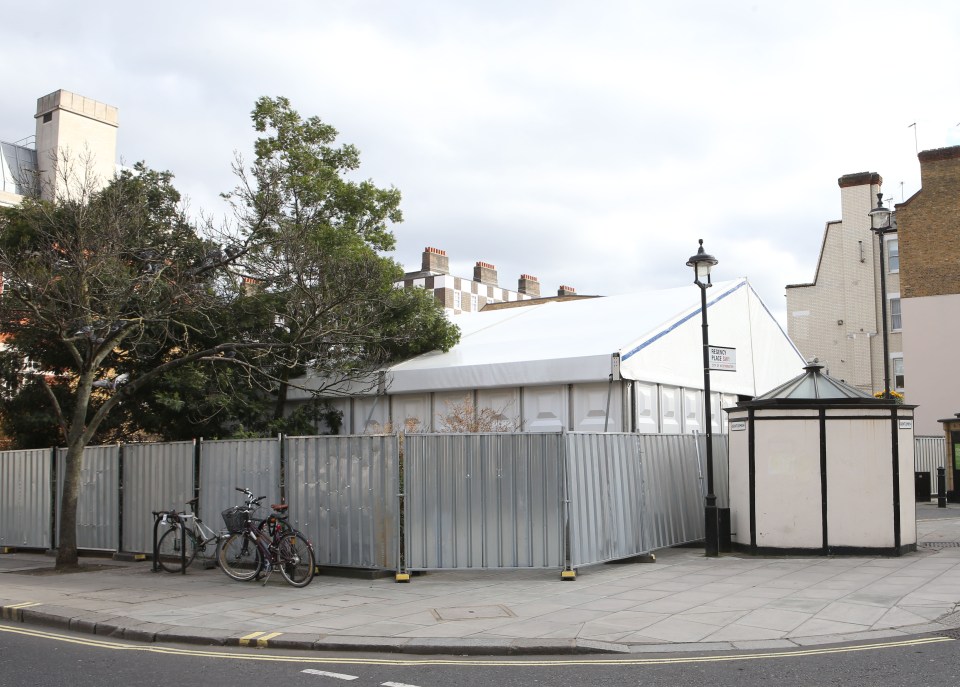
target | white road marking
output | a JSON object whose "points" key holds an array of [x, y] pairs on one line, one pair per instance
{"points": [[323, 673], [396, 684]]}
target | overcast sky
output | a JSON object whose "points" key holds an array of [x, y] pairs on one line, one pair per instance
{"points": [[587, 143]]}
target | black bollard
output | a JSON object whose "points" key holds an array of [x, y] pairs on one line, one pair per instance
{"points": [[941, 487]]}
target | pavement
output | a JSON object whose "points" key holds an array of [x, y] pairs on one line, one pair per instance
{"points": [[682, 602]]}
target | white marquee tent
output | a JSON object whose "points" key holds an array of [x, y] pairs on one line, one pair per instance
{"points": [[619, 363]]}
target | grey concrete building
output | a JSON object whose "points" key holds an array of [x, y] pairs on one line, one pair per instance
{"points": [[74, 146]]}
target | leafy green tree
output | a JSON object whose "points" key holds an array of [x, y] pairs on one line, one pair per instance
{"points": [[115, 304], [320, 256]]}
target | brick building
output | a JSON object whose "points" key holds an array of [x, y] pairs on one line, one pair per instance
{"points": [[460, 294], [836, 317], [929, 229]]}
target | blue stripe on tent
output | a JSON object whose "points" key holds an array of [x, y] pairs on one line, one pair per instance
{"points": [[676, 324]]}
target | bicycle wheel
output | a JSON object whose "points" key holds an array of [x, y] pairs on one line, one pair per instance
{"points": [[239, 557], [295, 559], [171, 545], [207, 553]]}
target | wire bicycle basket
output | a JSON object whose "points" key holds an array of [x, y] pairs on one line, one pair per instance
{"points": [[236, 519]]}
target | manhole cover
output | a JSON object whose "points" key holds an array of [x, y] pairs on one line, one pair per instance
{"points": [[472, 612]]}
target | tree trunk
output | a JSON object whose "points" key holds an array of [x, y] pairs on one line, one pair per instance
{"points": [[67, 545], [282, 392]]}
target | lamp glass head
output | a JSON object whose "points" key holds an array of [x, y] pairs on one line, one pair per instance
{"points": [[880, 216], [701, 264]]}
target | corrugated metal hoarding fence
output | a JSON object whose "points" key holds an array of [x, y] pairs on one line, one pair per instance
{"points": [[25, 498], [343, 493], [483, 501], [155, 477], [471, 501], [98, 504], [930, 453], [673, 502], [605, 486], [230, 463]]}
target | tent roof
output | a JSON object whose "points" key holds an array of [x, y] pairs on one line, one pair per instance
{"points": [[574, 341]]}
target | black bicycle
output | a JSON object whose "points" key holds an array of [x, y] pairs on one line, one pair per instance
{"points": [[255, 549]]}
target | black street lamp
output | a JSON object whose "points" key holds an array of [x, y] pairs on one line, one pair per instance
{"points": [[881, 223], [701, 264]]}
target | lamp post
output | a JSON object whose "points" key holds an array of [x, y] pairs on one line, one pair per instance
{"points": [[881, 223], [701, 264]]}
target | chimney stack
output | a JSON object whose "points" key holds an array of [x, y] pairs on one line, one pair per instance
{"points": [[566, 291], [485, 273], [529, 285], [435, 260], [860, 179]]}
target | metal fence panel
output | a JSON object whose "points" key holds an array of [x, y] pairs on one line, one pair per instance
{"points": [[98, 503], [605, 488], [483, 501], [25, 499], [673, 501], [230, 463], [155, 477], [930, 453], [344, 495]]}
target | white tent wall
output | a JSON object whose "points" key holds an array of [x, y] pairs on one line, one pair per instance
{"points": [[544, 409], [370, 415], [737, 319], [633, 406], [503, 402], [589, 407], [671, 410], [410, 412], [692, 410], [646, 407]]}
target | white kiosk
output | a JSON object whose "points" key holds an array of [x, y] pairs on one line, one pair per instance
{"points": [[820, 467]]}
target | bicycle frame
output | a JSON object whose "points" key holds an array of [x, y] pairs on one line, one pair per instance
{"points": [[203, 533]]}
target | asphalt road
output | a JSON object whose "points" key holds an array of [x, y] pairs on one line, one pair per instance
{"points": [[37, 657]]}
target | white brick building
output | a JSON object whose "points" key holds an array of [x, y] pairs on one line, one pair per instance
{"points": [[836, 317]]}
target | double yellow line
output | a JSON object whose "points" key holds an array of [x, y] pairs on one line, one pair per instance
{"points": [[11, 611], [260, 639], [256, 637]]}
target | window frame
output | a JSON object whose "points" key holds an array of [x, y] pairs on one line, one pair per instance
{"points": [[896, 359], [888, 241], [895, 297]]}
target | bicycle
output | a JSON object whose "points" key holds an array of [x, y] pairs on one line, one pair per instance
{"points": [[199, 540], [254, 549]]}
